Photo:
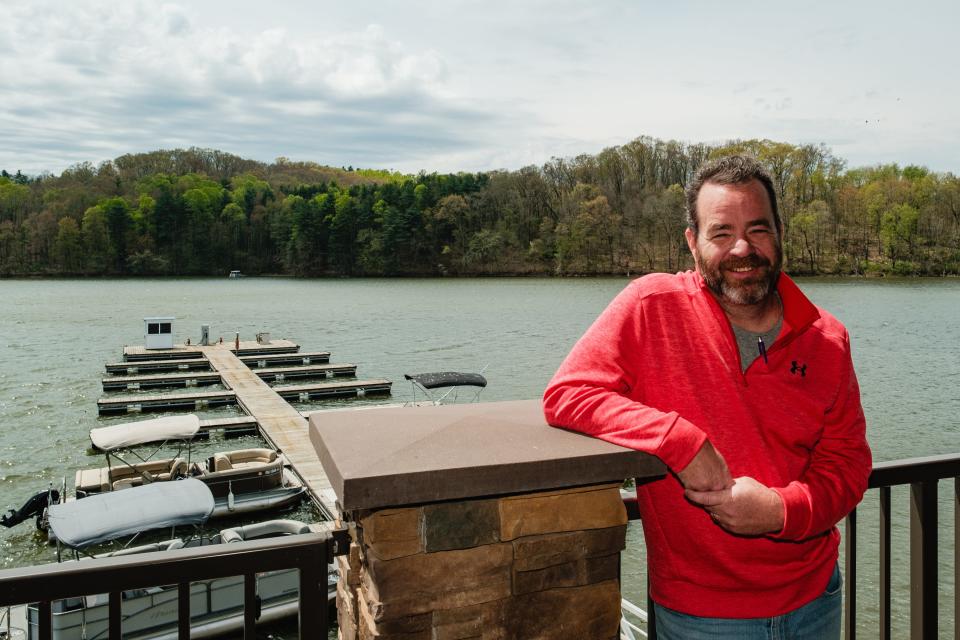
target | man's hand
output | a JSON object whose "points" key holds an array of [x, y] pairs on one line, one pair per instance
{"points": [[706, 472], [747, 508]]}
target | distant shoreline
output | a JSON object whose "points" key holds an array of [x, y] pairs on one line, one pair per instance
{"points": [[872, 277]]}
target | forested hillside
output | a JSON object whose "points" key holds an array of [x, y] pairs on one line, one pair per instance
{"points": [[206, 212]]}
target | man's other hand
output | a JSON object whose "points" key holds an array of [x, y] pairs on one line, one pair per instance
{"points": [[706, 472], [747, 508]]}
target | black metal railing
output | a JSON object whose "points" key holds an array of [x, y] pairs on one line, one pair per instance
{"points": [[923, 476], [308, 553]]}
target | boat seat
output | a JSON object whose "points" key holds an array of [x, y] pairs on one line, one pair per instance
{"points": [[177, 470], [221, 462], [126, 483], [243, 459], [92, 480]]}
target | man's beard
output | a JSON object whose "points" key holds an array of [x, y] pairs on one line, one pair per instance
{"points": [[742, 292]]}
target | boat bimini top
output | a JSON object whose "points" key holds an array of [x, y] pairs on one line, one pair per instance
{"points": [[114, 514], [443, 379], [132, 434]]}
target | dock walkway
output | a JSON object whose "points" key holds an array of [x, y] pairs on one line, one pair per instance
{"points": [[280, 423]]}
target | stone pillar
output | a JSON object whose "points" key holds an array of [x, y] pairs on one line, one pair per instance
{"points": [[479, 523]]}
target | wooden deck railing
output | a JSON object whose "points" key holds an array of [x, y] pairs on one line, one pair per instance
{"points": [[309, 553], [923, 476]]}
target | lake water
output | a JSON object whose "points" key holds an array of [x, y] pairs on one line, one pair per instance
{"points": [[57, 334]]}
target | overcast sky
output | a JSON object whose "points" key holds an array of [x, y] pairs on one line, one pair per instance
{"points": [[468, 85]]}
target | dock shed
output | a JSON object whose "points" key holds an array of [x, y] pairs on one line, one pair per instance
{"points": [[158, 332]]}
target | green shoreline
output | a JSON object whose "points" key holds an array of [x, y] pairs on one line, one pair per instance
{"points": [[621, 211]]}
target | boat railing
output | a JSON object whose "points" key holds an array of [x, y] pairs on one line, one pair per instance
{"points": [[923, 476], [308, 553]]}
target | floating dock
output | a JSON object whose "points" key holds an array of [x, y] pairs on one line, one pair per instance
{"points": [[168, 402], [266, 360], [187, 352], [282, 425], [244, 370], [153, 366], [242, 424], [199, 400], [178, 364], [199, 379]]}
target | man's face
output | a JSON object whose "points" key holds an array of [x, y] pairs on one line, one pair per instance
{"points": [[737, 249]]}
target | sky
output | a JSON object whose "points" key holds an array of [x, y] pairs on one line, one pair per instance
{"points": [[465, 85]]}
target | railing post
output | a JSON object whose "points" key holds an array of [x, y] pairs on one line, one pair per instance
{"points": [[183, 611], [956, 558], [313, 614], [45, 620], [249, 606], [885, 519], [923, 560], [115, 615], [651, 612], [850, 573]]}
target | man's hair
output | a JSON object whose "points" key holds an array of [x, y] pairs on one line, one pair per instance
{"points": [[728, 170]]}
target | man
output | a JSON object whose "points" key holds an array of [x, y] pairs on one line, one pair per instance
{"points": [[746, 390]]}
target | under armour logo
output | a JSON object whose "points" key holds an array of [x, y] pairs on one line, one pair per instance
{"points": [[798, 368]]}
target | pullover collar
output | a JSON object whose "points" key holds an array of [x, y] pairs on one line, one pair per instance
{"points": [[798, 312]]}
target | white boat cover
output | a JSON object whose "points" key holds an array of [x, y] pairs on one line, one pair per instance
{"points": [[132, 434], [106, 516]]}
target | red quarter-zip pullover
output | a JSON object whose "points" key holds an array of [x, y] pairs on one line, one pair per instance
{"points": [[659, 371]]}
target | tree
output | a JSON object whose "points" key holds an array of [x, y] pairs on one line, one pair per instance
{"points": [[344, 224], [117, 215], [808, 231], [98, 255], [68, 247], [14, 200], [484, 249], [898, 231]]}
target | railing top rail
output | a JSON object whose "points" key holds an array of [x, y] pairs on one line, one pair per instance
{"points": [[87, 577], [909, 470]]}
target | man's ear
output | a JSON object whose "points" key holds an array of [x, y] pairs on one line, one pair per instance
{"points": [[691, 241]]}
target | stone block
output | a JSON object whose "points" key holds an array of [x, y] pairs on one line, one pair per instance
{"points": [[346, 611], [460, 525], [485, 621], [415, 627], [575, 573], [581, 508], [392, 533], [348, 566], [591, 611], [443, 580], [538, 552]]}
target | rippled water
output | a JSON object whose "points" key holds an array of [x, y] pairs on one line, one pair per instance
{"points": [[57, 334]]}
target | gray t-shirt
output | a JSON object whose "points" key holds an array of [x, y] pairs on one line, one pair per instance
{"points": [[748, 342]]}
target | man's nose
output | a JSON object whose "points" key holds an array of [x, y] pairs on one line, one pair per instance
{"points": [[742, 247]]}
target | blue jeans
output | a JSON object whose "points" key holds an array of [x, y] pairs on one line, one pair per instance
{"points": [[817, 620]]}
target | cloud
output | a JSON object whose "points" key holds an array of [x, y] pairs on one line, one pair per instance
{"points": [[111, 78]]}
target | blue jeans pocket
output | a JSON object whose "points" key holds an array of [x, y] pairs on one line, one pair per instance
{"points": [[835, 585]]}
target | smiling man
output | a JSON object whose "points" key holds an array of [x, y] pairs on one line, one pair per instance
{"points": [[746, 390]]}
